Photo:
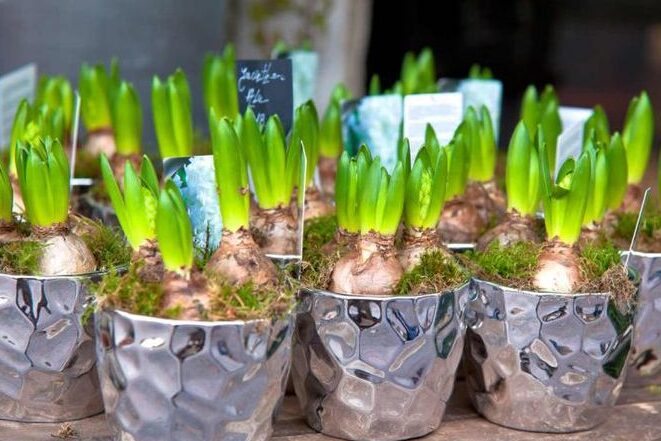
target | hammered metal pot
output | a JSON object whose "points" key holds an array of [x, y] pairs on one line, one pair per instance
{"points": [[545, 362], [47, 360], [645, 366], [170, 380], [377, 368]]}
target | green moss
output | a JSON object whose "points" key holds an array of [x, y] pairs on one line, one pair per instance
{"points": [[87, 164], [598, 257], [20, 257], [107, 244], [320, 253], [130, 293], [515, 262], [318, 232], [436, 272]]}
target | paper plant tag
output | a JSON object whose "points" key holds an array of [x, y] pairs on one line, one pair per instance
{"points": [[375, 121], [634, 238], [444, 111], [304, 74], [14, 86], [74, 137], [266, 86], [195, 178], [570, 141]]}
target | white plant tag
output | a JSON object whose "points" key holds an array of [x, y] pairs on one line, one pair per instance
{"points": [[570, 141], [74, 137], [489, 93], [444, 111], [14, 86], [634, 238]]}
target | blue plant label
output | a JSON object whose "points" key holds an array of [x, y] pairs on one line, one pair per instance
{"points": [[375, 121], [266, 86], [570, 141], [304, 74], [443, 111], [14, 86]]}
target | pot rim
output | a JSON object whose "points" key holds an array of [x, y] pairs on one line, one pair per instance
{"points": [[641, 254], [382, 298], [68, 277], [198, 323], [541, 294]]}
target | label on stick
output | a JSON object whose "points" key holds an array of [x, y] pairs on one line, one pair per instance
{"points": [[444, 111]]}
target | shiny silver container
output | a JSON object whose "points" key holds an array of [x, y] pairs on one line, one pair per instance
{"points": [[47, 359], [645, 365], [376, 368], [545, 362], [171, 380]]}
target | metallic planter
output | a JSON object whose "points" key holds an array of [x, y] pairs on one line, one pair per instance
{"points": [[47, 359], [169, 380], [377, 368], [645, 367], [545, 362]]}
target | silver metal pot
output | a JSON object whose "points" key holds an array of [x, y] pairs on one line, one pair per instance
{"points": [[645, 367], [170, 380], [47, 359], [545, 362], [376, 368]]}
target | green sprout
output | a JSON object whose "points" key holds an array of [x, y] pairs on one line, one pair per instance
{"points": [[545, 112], [173, 122], [136, 207], [330, 129], [349, 181], [478, 131], [477, 72], [616, 156], [127, 120], [418, 75], [94, 86], [6, 197], [174, 231], [375, 85], [522, 172], [381, 199], [597, 198], [458, 160], [597, 127], [274, 167], [231, 174], [306, 130], [220, 87], [43, 176], [565, 198], [425, 189], [56, 93], [638, 135]]}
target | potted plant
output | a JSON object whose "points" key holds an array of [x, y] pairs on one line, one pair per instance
{"points": [[201, 349], [550, 325], [97, 90], [376, 347], [219, 81], [48, 257], [173, 121]]}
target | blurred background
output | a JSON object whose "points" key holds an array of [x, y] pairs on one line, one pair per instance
{"points": [[593, 51]]}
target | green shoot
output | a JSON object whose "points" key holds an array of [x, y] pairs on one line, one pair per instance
{"points": [[136, 207], [231, 174], [56, 93], [43, 176], [274, 167], [417, 75], [597, 127], [565, 199], [543, 111], [599, 186], [425, 190], [458, 164], [94, 97], [616, 156], [219, 80], [522, 173], [375, 85], [6, 196], [478, 72], [350, 177], [381, 199], [482, 144], [173, 121], [127, 120], [638, 135], [306, 130], [174, 231], [330, 129]]}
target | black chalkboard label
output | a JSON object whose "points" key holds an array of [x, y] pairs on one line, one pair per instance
{"points": [[266, 86]]}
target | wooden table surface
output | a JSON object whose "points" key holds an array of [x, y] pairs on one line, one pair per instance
{"points": [[636, 417]]}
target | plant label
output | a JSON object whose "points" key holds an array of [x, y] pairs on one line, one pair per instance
{"points": [[570, 141], [304, 74], [266, 86], [14, 86], [634, 238], [444, 111], [375, 121], [478, 93]]}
